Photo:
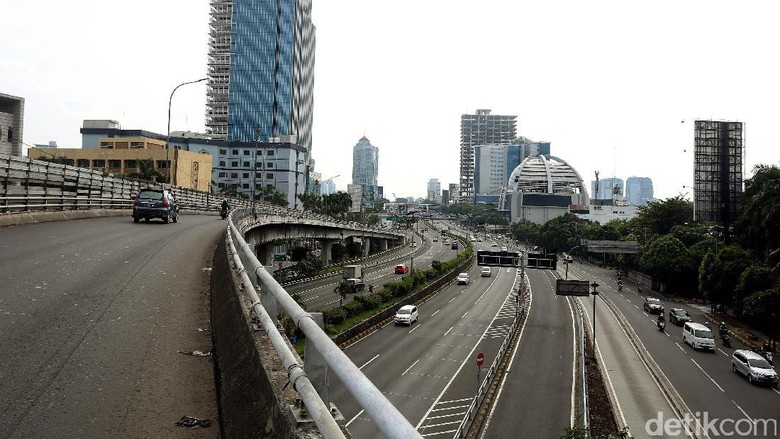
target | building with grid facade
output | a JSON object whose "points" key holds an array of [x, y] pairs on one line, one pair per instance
{"points": [[481, 128], [365, 165], [718, 171], [261, 72]]}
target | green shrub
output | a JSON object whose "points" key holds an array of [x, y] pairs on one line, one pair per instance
{"points": [[353, 308], [334, 316]]}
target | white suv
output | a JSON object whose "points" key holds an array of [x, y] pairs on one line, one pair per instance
{"points": [[406, 315], [463, 279], [485, 272]]}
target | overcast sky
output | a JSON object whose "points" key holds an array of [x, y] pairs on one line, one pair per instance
{"points": [[613, 85]]}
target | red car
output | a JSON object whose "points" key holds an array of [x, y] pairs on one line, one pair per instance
{"points": [[401, 269]]}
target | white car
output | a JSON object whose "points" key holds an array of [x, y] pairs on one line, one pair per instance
{"points": [[463, 279], [406, 315], [503, 248], [485, 272]]}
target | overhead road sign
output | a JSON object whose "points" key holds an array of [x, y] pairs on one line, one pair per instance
{"points": [[542, 260], [565, 287], [498, 259], [629, 247]]}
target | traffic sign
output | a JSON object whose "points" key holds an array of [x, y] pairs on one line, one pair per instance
{"points": [[480, 359]]}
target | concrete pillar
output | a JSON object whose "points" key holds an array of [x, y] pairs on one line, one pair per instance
{"points": [[265, 254], [383, 244], [325, 250], [314, 364], [366, 246]]}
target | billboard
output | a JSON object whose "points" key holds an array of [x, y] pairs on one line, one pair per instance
{"points": [[571, 287]]}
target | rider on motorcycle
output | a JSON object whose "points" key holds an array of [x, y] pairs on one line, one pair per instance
{"points": [[661, 322], [620, 285]]}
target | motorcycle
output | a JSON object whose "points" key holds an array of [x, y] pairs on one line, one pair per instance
{"points": [[725, 338], [620, 287], [768, 355], [223, 213], [661, 325]]}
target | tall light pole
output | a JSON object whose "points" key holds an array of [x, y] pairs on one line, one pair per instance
{"points": [[567, 259], [168, 139], [595, 293]]}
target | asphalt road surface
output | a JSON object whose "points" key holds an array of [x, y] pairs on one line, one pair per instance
{"points": [[93, 316], [703, 379]]}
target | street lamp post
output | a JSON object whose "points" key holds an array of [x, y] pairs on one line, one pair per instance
{"points": [[168, 138]]}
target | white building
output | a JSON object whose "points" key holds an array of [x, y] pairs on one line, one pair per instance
{"points": [[545, 187], [434, 191]]}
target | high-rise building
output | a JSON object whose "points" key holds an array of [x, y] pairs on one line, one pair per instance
{"points": [[365, 165], [608, 188], [494, 163], [261, 72], [718, 170], [639, 190], [481, 128], [434, 191], [454, 191], [11, 123]]}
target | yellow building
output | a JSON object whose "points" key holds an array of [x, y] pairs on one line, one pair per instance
{"points": [[121, 155]]}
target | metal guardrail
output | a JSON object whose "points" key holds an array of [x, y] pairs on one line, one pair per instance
{"points": [[584, 410], [389, 420], [522, 302]]}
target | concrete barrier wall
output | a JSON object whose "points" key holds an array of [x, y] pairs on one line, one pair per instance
{"points": [[250, 400]]}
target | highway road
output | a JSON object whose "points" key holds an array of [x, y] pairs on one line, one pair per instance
{"points": [[321, 294], [93, 315], [704, 380], [428, 371], [536, 394]]}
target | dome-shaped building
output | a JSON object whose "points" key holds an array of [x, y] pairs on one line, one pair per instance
{"points": [[543, 188]]}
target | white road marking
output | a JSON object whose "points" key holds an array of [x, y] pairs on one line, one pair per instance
{"points": [[636, 307], [743, 412], [708, 376], [448, 331], [776, 391], [366, 363], [724, 353], [464, 315], [407, 369], [437, 311], [414, 329], [678, 345], [451, 300], [350, 421]]}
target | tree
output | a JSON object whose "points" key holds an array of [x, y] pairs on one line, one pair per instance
{"points": [[658, 217], [311, 201], [274, 196], [561, 233], [719, 274], [754, 279], [667, 259], [336, 204], [526, 231], [764, 308], [231, 190], [147, 171], [756, 227]]}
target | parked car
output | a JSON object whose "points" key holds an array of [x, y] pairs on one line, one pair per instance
{"points": [[485, 272], [454, 245], [463, 279], [401, 269], [503, 248], [435, 238], [679, 316], [406, 315], [653, 305], [698, 336], [754, 367], [494, 244], [155, 203]]}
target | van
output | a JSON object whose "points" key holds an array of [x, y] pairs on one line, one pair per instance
{"points": [[698, 336], [406, 315]]}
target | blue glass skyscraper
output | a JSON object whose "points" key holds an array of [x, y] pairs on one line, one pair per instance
{"points": [[261, 71]]}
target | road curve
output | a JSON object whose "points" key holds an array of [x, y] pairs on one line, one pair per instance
{"points": [[94, 315]]}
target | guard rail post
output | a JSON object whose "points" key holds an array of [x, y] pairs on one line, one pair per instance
{"points": [[314, 364]]}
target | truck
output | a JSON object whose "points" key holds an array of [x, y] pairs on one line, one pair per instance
{"points": [[353, 272]]}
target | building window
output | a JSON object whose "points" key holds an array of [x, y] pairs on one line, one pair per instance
{"points": [[233, 164], [222, 174], [246, 152], [270, 152], [246, 164], [269, 176], [130, 164], [222, 151], [98, 163], [115, 164], [245, 185], [245, 175], [10, 134], [162, 164], [220, 185], [83, 163], [222, 163], [269, 165], [235, 152]]}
